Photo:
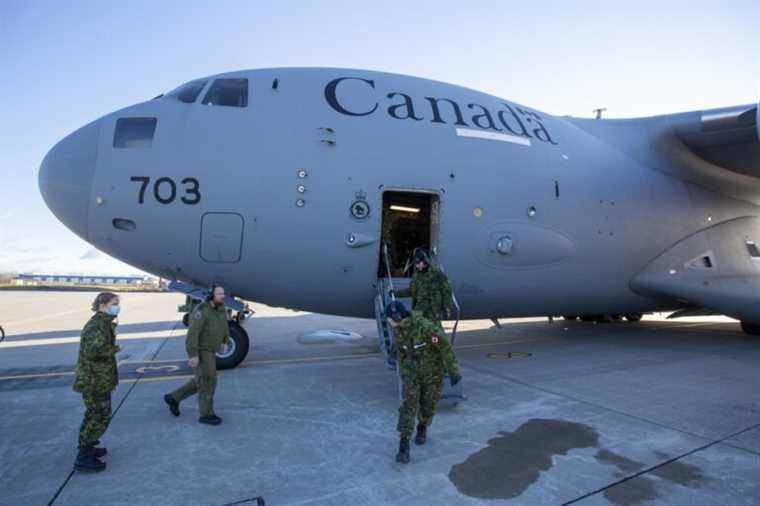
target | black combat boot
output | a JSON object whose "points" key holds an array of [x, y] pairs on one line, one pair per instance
{"points": [[210, 420], [421, 436], [173, 404], [403, 451], [87, 461], [99, 451]]}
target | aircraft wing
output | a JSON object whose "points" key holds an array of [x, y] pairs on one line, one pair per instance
{"points": [[727, 138], [717, 149]]}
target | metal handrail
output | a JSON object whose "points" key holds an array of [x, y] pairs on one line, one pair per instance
{"points": [[384, 289], [456, 323], [386, 259], [457, 308]]}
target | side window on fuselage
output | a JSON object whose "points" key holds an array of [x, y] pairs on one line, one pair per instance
{"points": [[134, 133]]}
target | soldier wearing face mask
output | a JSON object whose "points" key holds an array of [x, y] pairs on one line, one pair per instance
{"points": [[96, 377]]}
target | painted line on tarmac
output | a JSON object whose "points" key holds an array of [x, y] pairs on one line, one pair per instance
{"points": [[33, 376], [312, 359], [49, 341], [661, 464], [299, 360], [48, 374], [143, 367], [157, 378]]}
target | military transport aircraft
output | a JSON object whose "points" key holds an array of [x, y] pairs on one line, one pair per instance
{"points": [[309, 188]]}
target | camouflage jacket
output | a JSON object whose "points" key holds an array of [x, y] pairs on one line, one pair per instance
{"points": [[423, 349], [208, 329], [96, 372], [431, 293]]}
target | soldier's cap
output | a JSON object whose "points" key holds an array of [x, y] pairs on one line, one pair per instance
{"points": [[396, 311]]}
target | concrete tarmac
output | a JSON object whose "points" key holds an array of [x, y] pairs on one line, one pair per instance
{"points": [[656, 412]]}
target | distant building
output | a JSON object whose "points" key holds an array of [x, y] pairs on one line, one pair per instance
{"points": [[73, 280]]}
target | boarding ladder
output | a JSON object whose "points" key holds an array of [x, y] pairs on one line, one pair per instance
{"points": [[385, 294]]}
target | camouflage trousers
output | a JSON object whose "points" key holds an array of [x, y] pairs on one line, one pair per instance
{"points": [[420, 397], [203, 384], [97, 415]]}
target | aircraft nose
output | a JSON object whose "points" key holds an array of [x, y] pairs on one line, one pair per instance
{"points": [[66, 175]]}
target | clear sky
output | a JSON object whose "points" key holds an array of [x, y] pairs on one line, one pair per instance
{"points": [[63, 64]]}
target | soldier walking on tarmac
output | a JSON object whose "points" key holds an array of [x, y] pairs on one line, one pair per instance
{"points": [[425, 356], [208, 333]]}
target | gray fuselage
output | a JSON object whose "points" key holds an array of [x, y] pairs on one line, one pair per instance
{"points": [[600, 215]]}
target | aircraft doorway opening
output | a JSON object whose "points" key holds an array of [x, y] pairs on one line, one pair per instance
{"points": [[409, 221]]}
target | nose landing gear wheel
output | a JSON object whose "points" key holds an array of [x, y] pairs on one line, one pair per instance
{"points": [[237, 349]]}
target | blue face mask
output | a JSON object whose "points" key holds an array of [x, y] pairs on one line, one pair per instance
{"points": [[113, 310]]}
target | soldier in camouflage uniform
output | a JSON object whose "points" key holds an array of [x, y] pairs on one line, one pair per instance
{"points": [[208, 332], [96, 377], [425, 356], [430, 289]]}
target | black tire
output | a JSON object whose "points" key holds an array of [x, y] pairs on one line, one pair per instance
{"points": [[753, 329], [2, 334], [186, 319], [238, 348], [570, 318], [633, 317]]}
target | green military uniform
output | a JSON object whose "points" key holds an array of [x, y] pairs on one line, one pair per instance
{"points": [[431, 293], [96, 376], [208, 330], [425, 356]]}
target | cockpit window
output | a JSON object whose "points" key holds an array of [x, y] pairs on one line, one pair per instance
{"points": [[188, 92], [134, 132], [228, 92]]}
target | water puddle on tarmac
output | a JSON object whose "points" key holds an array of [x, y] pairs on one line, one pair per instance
{"points": [[513, 461]]}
